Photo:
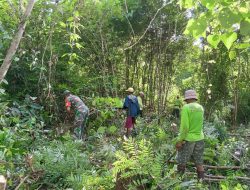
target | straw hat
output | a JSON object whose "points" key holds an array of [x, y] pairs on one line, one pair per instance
{"points": [[130, 90], [190, 94]]}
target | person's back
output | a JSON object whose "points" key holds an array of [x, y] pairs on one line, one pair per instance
{"points": [[81, 113], [190, 142], [177, 107], [76, 102], [131, 103], [133, 109], [192, 118], [140, 102]]}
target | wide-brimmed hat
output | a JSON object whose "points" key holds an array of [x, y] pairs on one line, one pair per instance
{"points": [[130, 89], [190, 94]]}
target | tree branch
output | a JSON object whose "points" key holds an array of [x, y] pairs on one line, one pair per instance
{"points": [[150, 23], [15, 42]]}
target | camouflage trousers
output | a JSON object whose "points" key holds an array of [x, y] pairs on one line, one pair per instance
{"points": [[193, 151], [81, 118]]}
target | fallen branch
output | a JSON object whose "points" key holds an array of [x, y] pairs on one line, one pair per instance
{"points": [[21, 182], [215, 167], [3, 162], [212, 180], [221, 177], [224, 167], [238, 135]]}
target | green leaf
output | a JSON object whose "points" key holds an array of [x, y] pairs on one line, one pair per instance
{"points": [[232, 55], [62, 24], [2, 91], [189, 27], [208, 3], [242, 46], [101, 130], [227, 18], [228, 39], [112, 129], [244, 9], [197, 27], [78, 46], [200, 27], [186, 3], [70, 19], [245, 27], [214, 40], [5, 81]]}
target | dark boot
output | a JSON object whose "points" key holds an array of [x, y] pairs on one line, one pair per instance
{"points": [[181, 169], [200, 175]]}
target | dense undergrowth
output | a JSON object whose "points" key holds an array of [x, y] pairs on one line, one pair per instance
{"points": [[37, 156]]}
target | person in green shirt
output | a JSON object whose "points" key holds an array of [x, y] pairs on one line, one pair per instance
{"points": [[140, 98], [190, 142], [177, 107]]}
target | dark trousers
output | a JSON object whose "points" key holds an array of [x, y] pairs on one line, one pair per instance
{"points": [[176, 113], [140, 113]]}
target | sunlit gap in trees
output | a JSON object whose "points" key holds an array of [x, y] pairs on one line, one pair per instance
{"points": [[199, 43]]}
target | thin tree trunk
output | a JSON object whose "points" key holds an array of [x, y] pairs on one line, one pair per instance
{"points": [[15, 42], [236, 96], [127, 63]]}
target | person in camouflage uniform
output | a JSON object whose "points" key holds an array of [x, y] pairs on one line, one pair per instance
{"points": [[81, 112], [190, 143]]}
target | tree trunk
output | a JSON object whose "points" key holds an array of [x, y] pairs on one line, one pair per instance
{"points": [[15, 42]]}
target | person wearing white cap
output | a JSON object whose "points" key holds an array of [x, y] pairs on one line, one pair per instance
{"points": [[190, 141], [132, 106]]}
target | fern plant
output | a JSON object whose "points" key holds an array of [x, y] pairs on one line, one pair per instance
{"points": [[60, 160], [139, 164]]}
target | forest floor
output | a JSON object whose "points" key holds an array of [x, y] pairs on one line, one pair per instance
{"points": [[34, 158]]}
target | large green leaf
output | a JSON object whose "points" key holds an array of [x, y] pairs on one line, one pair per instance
{"points": [[197, 27], [189, 27], [232, 55], [228, 39], [242, 46], [213, 40], [186, 3], [244, 9], [227, 18], [208, 3], [245, 27]]}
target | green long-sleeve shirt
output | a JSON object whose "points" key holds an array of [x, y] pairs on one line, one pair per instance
{"points": [[140, 102], [177, 103], [191, 128]]}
